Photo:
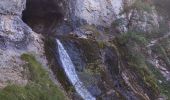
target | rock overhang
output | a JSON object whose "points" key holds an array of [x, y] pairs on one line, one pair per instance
{"points": [[42, 15]]}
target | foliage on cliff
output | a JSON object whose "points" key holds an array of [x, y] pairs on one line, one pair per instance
{"points": [[40, 86]]}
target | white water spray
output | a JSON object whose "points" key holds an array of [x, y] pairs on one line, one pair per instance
{"points": [[70, 71]]}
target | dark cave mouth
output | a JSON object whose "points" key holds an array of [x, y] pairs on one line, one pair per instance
{"points": [[43, 16]]}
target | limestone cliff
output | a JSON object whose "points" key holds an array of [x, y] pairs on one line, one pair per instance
{"points": [[16, 38], [90, 49]]}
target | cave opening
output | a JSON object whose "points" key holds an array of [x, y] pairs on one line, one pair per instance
{"points": [[43, 15]]}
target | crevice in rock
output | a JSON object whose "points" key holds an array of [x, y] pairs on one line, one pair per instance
{"points": [[43, 15]]}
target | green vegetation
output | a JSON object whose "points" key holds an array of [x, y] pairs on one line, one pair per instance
{"points": [[137, 61], [132, 49], [159, 49], [118, 22], [40, 87], [94, 68], [101, 44], [134, 52], [92, 29], [139, 5], [164, 86], [132, 36]]}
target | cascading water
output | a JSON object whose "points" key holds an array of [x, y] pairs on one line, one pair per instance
{"points": [[70, 71]]}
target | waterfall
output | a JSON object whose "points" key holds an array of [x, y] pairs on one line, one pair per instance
{"points": [[70, 71]]}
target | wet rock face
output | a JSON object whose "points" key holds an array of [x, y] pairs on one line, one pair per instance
{"points": [[111, 61], [84, 57], [75, 54], [99, 69]]}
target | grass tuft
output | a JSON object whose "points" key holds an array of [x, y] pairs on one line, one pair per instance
{"points": [[40, 87]]}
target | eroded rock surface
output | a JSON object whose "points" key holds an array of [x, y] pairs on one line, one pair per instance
{"points": [[98, 12], [12, 7], [15, 38]]}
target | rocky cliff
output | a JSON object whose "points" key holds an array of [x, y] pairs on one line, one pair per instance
{"points": [[16, 38], [84, 49]]}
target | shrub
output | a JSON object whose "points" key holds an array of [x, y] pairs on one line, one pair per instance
{"points": [[164, 86], [136, 37]]}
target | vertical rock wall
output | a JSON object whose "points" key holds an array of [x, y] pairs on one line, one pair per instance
{"points": [[15, 38], [97, 12]]}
